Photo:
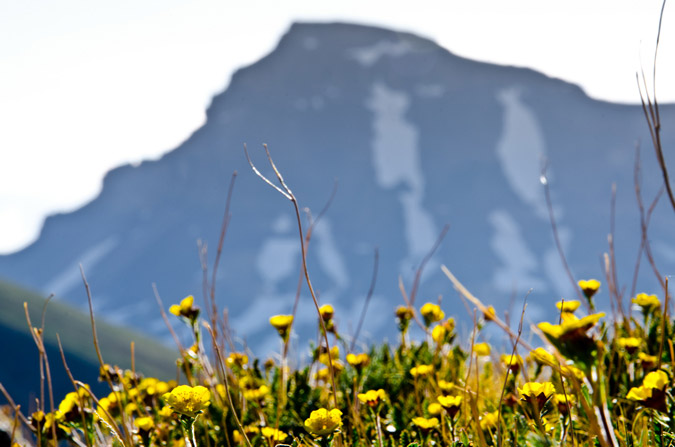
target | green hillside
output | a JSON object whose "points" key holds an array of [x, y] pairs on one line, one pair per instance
{"points": [[19, 372]]}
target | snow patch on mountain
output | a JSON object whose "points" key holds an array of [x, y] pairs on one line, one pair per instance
{"points": [[521, 150], [519, 263], [398, 166], [368, 56], [330, 259], [64, 282]]}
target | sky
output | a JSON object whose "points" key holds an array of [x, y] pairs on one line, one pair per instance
{"points": [[88, 85]]}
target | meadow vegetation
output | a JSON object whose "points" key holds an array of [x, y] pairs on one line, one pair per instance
{"points": [[594, 380]]}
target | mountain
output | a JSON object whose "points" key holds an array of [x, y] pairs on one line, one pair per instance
{"points": [[20, 373], [416, 137]]}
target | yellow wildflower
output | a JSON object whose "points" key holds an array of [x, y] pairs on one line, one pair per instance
{"points": [[630, 344], [322, 375], [589, 287], [403, 315], [481, 349], [434, 409], [512, 361], [537, 393], [273, 434], [69, 403], [641, 393], [372, 398], [188, 400], [572, 371], [166, 411], [450, 401], [323, 422], [570, 330], [490, 314], [431, 313], [568, 306], [451, 404], [424, 423], [38, 416], [326, 312], [334, 354], [542, 356], [130, 408], [648, 361], [652, 392], [438, 334], [144, 423], [282, 323], [564, 401], [647, 302], [256, 393], [185, 308], [656, 380], [446, 386], [358, 361], [421, 370], [238, 359], [489, 420]]}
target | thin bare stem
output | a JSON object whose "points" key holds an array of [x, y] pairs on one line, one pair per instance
{"points": [[664, 325], [556, 237], [72, 380], [308, 238], [113, 427], [401, 287], [482, 307], [16, 408], [166, 320], [104, 370], [286, 192], [223, 231], [371, 290], [508, 368], [223, 371], [39, 341], [614, 288], [427, 258], [652, 113]]}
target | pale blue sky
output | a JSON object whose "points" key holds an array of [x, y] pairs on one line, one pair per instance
{"points": [[87, 85]]}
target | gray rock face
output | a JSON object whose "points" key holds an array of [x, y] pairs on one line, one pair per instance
{"points": [[416, 138]]}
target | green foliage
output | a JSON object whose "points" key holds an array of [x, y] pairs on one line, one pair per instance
{"points": [[433, 392]]}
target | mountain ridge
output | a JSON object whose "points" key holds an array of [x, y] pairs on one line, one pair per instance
{"points": [[417, 136]]}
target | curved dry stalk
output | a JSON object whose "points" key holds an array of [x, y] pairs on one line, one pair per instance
{"points": [[652, 113], [308, 238], [644, 225], [286, 192], [482, 307]]}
